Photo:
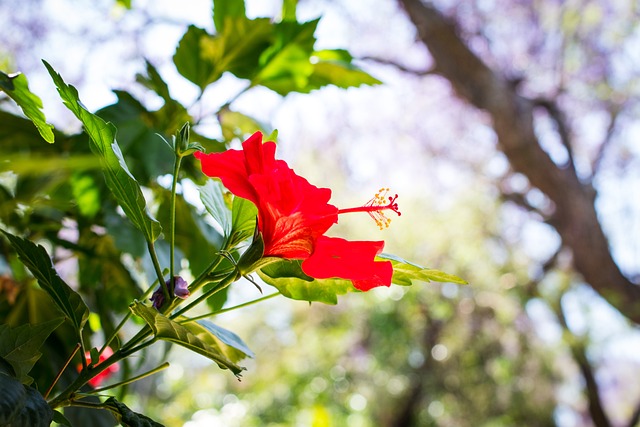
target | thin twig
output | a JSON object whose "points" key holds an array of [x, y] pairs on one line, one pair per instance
{"points": [[55, 380]]}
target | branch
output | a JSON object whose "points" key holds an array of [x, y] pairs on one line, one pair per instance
{"points": [[398, 66], [611, 129], [561, 124], [596, 410], [574, 216]]}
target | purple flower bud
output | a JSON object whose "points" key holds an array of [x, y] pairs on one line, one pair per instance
{"points": [[157, 298], [181, 290]]}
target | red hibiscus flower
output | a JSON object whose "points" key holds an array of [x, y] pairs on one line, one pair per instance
{"points": [[102, 376], [294, 215]]}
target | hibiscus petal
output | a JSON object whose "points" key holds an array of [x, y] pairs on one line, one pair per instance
{"points": [[354, 260]]}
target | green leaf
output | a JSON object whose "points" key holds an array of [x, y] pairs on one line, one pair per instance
{"points": [[127, 417], [287, 63], [212, 197], [287, 276], [224, 341], [202, 58], [169, 330], [17, 87], [36, 259], [237, 125], [103, 143], [225, 9], [404, 272], [243, 220], [59, 418], [289, 10], [20, 346], [22, 406], [227, 337]]}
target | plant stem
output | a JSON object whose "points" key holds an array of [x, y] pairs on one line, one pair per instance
{"points": [[226, 281], [156, 266], [55, 380], [165, 365], [246, 304], [172, 221]]}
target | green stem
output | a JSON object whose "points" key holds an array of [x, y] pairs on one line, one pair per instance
{"points": [[226, 281], [156, 266], [65, 398], [125, 318], [172, 221], [165, 365], [246, 304]]}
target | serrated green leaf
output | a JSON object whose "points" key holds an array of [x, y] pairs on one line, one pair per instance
{"points": [[127, 417], [122, 184], [22, 406], [286, 64], [404, 272], [20, 346], [212, 197], [202, 58], [287, 276], [36, 259], [225, 9], [17, 87], [169, 330]]}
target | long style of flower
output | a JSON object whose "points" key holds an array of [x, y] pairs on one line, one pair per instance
{"points": [[294, 215]]}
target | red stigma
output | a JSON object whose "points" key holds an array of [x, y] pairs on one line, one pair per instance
{"points": [[376, 207]]}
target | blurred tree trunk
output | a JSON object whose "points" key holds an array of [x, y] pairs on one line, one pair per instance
{"points": [[574, 215]]}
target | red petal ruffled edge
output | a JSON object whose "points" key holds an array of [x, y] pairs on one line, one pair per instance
{"points": [[234, 167], [353, 260]]}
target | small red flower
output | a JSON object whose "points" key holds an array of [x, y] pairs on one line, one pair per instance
{"points": [[104, 375], [294, 215]]}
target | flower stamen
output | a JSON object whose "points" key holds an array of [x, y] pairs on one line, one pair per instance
{"points": [[376, 206]]}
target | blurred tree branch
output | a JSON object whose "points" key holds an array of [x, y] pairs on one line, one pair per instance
{"points": [[574, 216]]}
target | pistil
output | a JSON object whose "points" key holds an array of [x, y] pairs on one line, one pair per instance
{"points": [[376, 208]]}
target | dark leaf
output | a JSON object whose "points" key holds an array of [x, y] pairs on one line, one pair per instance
{"points": [[20, 346], [22, 406], [127, 417], [36, 259]]}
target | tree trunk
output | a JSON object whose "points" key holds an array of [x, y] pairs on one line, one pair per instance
{"points": [[574, 216]]}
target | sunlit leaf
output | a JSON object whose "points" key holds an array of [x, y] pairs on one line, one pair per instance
{"points": [[212, 197], [20, 346], [225, 341], [36, 259], [404, 272], [202, 58], [287, 276], [238, 125], [103, 143], [243, 220], [289, 10], [169, 330], [225, 9], [17, 87]]}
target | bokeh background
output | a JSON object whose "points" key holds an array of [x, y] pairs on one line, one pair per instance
{"points": [[531, 341]]}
